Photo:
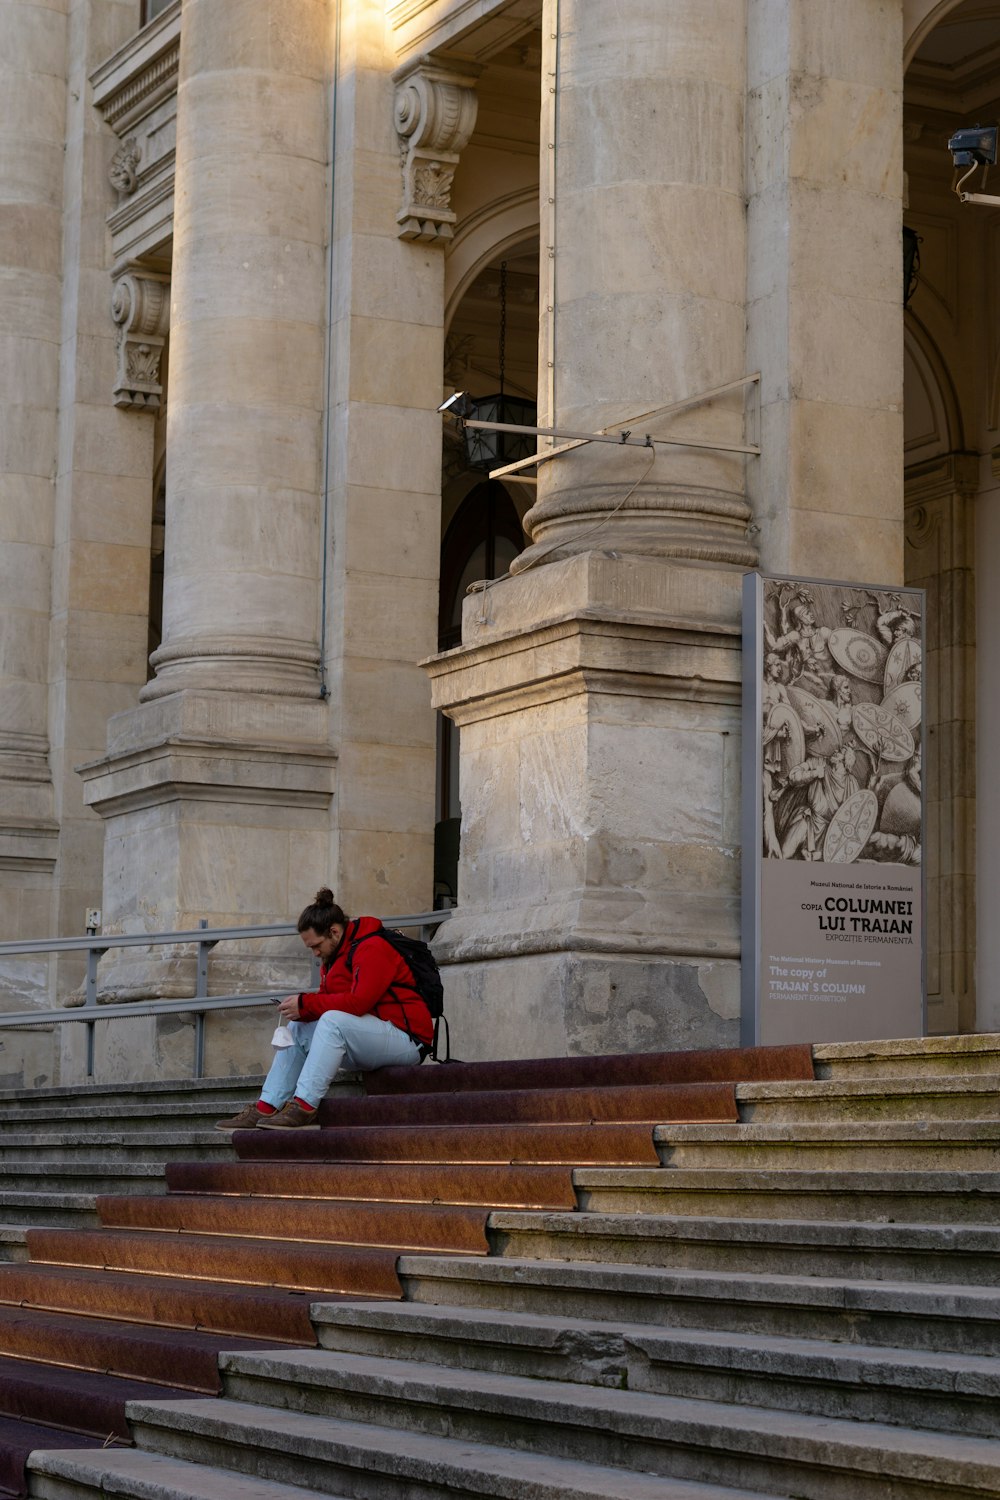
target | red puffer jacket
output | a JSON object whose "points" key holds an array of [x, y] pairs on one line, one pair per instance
{"points": [[378, 982]]}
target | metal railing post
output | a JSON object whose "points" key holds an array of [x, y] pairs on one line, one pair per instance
{"points": [[201, 993], [199, 1044], [201, 983], [94, 955]]}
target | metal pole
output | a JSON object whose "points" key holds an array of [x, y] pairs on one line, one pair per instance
{"points": [[90, 999], [201, 993], [201, 985], [199, 1044]]}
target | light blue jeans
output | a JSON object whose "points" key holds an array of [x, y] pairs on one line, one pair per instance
{"points": [[306, 1069]]}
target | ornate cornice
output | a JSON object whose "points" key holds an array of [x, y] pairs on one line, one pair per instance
{"points": [[135, 91], [140, 306], [435, 114], [140, 74]]}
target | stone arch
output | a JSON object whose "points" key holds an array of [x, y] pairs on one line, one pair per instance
{"points": [[919, 19], [933, 417], [499, 226]]}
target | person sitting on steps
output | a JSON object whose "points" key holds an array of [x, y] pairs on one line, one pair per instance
{"points": [[367, 1013]]}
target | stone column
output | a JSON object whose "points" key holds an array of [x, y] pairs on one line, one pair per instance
{"points": [[241, 594], [824, 279], [642, 275], [941, 549], [215, 790], [32, 130], [598, 690]]}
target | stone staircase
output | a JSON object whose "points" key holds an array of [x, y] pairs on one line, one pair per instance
{"points": [[62, 1147], [794, 1296]]}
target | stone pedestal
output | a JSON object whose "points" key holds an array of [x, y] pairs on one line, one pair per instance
{"points": [[598, 882], [210, 813]]}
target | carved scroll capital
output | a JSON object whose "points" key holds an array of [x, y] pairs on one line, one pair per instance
{"points": [[435, 113], [140, 306]]}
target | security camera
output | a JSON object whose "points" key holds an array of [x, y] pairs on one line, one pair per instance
{"points": [[975, 146]]}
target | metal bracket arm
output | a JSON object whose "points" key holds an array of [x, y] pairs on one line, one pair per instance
{"points": [[623, 437]]}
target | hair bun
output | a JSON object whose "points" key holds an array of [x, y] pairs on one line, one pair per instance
{"points": [[324, 897]]}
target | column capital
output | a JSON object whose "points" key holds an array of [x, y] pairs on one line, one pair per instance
{"points": [[435, 114], [140, 306]]}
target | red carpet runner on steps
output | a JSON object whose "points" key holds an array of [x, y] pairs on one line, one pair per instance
{"points": [[233, 1254]]}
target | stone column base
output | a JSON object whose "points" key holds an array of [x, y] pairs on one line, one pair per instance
{"points": [[576, 1003], [215, 807]]}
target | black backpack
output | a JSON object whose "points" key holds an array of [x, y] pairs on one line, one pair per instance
{"points": [[426, 979]]}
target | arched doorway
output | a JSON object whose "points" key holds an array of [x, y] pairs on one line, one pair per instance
{"points": [[492, 345], [952, 474]]}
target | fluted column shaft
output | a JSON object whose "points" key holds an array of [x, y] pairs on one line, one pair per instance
{"points": [[241, 593]]}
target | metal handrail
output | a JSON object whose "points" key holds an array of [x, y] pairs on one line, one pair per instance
{"points": [[95, 945]]}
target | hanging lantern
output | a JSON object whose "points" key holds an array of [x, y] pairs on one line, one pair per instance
{"points": [[491, 450], [911, 263]]}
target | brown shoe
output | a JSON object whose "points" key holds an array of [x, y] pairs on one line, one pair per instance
{"points": [[292, 1117], [248, 1119]]}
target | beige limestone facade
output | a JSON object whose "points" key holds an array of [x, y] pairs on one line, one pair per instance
{"points": [[247, 248]]}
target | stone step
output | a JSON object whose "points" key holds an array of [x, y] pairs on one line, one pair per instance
{"points": [[884, 1313], [941, 1097], [301, 1265], [100, 1117], [62, 1208], [375, 1462], [909, 1057], [941, 1145], [126, 1474], [958, 1319], [13, 1242], [948, 1392], [894, 1197], [153, 1093], [187, 1304], [104, 1146], [788, 1452], [86, 1176], [969, 1254]]}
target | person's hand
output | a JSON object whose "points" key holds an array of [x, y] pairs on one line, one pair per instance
{"points": [[288, 1008]]}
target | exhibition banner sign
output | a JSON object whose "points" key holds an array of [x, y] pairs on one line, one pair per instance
{"points": [[833, 811]]}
